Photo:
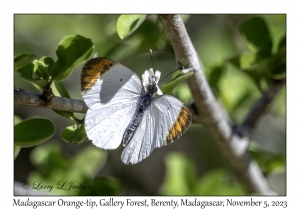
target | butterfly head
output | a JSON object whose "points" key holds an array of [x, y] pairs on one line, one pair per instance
{"points": [[150, 81]]}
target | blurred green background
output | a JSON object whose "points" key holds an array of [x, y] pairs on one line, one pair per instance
{"points": [[190, 166]]}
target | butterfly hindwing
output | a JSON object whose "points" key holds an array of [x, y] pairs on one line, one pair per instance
{"points": [[105, 126], [164, 121]]}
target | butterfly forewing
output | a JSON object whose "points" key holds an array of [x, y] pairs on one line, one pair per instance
{"points": [[104, 81], [111, 92]]}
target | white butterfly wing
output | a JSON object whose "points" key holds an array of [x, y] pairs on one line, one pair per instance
{"points": [[111, 92], [164, 121], [105, 81]]}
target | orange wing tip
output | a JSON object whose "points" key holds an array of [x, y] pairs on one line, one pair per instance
{"points": [[92, 71], [182, 123]]}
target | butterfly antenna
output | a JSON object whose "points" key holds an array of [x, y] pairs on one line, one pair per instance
{"points": [[180, 68], [151, 58]]}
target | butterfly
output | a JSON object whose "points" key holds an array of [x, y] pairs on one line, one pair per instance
{"points": [[122, 109]]}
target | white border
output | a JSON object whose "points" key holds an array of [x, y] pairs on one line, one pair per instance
{"points": [[154, 6]]}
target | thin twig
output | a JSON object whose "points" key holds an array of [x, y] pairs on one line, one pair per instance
{"points": [[25, 97], [211, 115], [260, 107]]}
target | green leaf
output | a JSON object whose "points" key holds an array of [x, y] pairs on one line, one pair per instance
{"points": [[210, 183], [68, 115], [17, 120], [256, 71], [243, 97], [247, 60], [215, 183], [278, 68], [33, 131], [267, 161], [45, 64], [59, 89], [235, 61], [169, 87], [179, 167], [278, 64], [17, 150], [33, 74], [282, 43], [49, 157], [88, 161], [22, 60], [216, 75], [73, 134], [127, 24], [256, 35], [37, 72], [71, 51], [256, 77], [183, 93]]}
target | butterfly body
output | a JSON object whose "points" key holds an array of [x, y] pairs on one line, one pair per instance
{"points": [[143, 103], [122, 109]]}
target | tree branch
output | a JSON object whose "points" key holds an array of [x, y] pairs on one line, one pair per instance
{"points": [[25, 97], [211, 115], [259, 108]]}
